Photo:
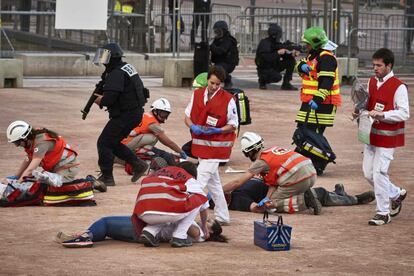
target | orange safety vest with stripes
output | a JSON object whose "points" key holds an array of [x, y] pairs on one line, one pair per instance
{"points": [[212, 114], [386, 135], [143, 128], [57, 158], [165, 192], [283, 164], [310, 83]]}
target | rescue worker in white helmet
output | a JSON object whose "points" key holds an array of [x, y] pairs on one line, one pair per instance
{"points": [[46, 149], [320, 81], [149, 132], [288, 174]]}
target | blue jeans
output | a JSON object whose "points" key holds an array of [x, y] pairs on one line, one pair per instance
{"points": [[116, 227]]}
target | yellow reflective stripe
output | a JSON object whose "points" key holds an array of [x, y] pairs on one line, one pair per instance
{"points": [[127, 8], [323, 93], [63, 197], [315, 151], [326, 74]]}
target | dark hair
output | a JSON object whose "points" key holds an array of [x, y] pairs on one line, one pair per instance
{"points": [[216, 236], [386, 55], [188, 167], [218, 71], [38, 131]]}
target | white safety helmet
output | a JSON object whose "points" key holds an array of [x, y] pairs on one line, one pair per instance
{"points": [[251, 141], [161, 104], [18, 130]]}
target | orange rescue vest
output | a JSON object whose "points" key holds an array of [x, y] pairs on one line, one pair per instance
{"points": [[283, 164], [310, 83]]}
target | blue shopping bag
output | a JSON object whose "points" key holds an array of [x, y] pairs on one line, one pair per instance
{"points": [[272, 236]]}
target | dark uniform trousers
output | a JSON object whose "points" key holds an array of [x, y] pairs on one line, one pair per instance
{"points": [[109, 142], [273, 75], [229, 68]]}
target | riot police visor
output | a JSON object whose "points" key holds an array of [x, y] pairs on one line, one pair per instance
{"points": [[102, 56]]}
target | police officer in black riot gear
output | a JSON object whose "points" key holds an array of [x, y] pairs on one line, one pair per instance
{"points": [[224, 50], [123, 96], [272, 58]]}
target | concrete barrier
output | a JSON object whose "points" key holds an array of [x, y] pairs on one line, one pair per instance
{"points": [[72, 64], [178, 72], [343, 67], [11, 73]]}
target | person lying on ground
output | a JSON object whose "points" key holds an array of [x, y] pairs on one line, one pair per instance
{"points": [[170, 195], [247, 197]]}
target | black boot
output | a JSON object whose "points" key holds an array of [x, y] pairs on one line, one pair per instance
{"points": [[311, 201], [262, 86], [107, 180], [366, 197], [139, 168], [288, 86]]}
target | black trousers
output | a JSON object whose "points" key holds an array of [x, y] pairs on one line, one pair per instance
{"points": [[410, 34], [109, 142], [253, 190], [204, 20], [273, 75]]}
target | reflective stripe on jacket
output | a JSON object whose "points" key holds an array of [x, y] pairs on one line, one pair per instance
{"points": [[283, 165], [61, 154], [310, 84], [165, 192], [212, 114], [387, 135]]}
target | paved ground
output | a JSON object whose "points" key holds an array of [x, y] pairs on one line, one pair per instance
{"points": [[337, 242]]}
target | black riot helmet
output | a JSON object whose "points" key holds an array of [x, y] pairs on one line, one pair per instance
{"points": [[220, 28], [107, 52], [221, 25], [275, 31]]}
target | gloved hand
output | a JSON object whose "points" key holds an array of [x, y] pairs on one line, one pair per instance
{"points": [[12, 177], [213, 130], [196, 129], [183, 155], [313, 105], [305, 68], [263, 201]]}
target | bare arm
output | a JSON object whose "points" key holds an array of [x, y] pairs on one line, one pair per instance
{"points": [[270, 191], [33, 165], [203, 218], [23, 167], [231, 186], [165, 140]]}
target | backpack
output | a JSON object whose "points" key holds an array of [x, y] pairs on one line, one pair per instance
{"points": [[314, 146], [75, 193], [242, 105]]}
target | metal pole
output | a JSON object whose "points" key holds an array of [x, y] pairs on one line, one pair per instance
{"points": [[338, 22], [355, 19], [163, 26], [325, 15], [178, 29], [174, 29], [309, 16]]}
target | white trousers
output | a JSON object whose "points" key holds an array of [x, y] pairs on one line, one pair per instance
{"points": [[156, 222], [208, 175], [375, 166]]}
